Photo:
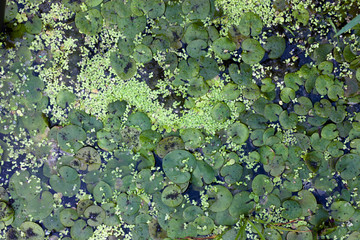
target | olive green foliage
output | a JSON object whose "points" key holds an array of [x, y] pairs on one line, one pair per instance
{"points": [[158, 119]]}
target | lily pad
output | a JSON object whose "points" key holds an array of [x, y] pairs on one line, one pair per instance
{"points": [[172, 196], [89, 158], [292, 209], [95, 215], [262, 184], [275, 45], [33, 231], [89, 22], [223, 198], [253, 52], [223, 46], [250, 24], [68, 217], [238, 132], [81, 231], [124, 66], [242, 204], [169, 144], [196, 9], [348, 166], [142, 54], [342, 211], [71, 138], [178, 165]]}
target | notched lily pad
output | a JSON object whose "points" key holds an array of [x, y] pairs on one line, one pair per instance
{"points": [[178, 165], [172, 196], [90, 159], [253, 52], [95, 215], [124, 66], [71, 138], [275, 46], [250, 24], [89, 22], [222, 198], [223, 46]]}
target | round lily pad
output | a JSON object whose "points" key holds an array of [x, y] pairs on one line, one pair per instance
{"points": [[196, 48], [238, 132], [95, 215], [192, 212], [252, 51], [68, 183], [203, 173], [128, 204], [71, 138], [192, 137], [301, 233], [231, 173], [65, 98], [262, 184], [142, 54], [241, 204], [124, 66], [108, 140], [90, 159], [131, 26], [33, 231], [292, 209], [250, 24], [89, 22], [288, 120], [139, 119], [197, 87], [41, 206], [178, 164], [126, 46], [196, 10], [220, 112], [82, 205], [81, 231], [172, 196], [329, 131], [223, 46], [223, 198], [11, 10], [67, 217], [102, 192], [6, 212], [348, 166], [342, 211], [34, 25], [275, 45], [204, 224], [169, 144]]}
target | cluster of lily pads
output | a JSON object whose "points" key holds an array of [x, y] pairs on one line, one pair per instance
{"points": [[257, 135]]}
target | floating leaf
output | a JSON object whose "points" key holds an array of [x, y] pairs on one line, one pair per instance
{"points": [[196, 10], [250, 24], [223, 198], [89, 22], [71, 138], [95, 215], [172, 196], [223, 46], [275, 46], [252, 51], [178, 164], [342, 211]]}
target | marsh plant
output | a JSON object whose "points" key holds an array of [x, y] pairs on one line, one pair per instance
{"points": [[159, 119]]}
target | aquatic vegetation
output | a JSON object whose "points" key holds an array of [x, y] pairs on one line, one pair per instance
{"points": [[157, 119]]}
